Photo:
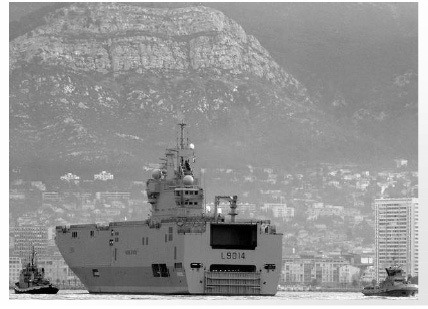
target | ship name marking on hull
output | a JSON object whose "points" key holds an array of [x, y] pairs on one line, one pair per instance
{"points": [[233, 255]]}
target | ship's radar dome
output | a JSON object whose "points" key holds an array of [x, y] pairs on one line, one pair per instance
{"points": [[188, 180], [156, 174], [192, 146]]}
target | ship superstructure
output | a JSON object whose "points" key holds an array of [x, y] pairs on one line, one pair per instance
{"points": [[180, 249]]}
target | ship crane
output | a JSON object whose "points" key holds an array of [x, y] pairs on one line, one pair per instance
{"points": [[232, 200]]}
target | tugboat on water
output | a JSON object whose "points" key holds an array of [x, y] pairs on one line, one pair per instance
{"points": [[32, 280], [394, 285]]}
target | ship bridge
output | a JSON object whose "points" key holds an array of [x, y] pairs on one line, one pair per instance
{"points": [[173, 190]]}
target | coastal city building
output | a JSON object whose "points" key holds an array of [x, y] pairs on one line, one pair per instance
{"points": [[315, 271], [368, 275], [396, 235], [279, 210], [58, 272], [70, 177], [28, 236], [104, 176], [15, 266], [112, 195], [349, 275]]}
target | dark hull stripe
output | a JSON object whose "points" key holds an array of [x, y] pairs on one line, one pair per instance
{"points": [[43, 290], [394, 293]]}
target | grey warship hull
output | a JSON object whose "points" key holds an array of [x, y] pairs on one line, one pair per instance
{"points": [[173, 258]]}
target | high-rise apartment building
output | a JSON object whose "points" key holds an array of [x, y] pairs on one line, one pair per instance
{"points": [[396, 235], [28, 236], [15, 266]]}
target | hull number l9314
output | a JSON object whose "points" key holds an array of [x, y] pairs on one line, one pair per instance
{"points": [[233, 255]]}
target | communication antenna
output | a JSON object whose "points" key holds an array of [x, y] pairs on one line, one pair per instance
{"points": [[205, 193], [182, 125]]}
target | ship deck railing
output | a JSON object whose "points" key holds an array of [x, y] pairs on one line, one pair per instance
{"points": [[198, 222]]}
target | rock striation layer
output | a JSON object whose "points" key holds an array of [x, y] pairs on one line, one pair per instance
{"points": [[120, 38]]}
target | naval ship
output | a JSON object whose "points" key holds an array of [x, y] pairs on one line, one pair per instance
{"points": [[179, 249]]}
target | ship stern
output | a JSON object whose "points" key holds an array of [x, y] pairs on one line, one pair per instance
{"points": [[233, 259]]}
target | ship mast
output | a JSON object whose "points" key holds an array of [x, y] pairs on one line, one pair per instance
{"points": [[182, 125]]}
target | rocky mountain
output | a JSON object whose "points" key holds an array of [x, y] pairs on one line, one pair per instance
{"points": [[351, 57], [103, 85]]}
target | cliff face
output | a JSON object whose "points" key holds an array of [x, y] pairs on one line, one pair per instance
{"points": [[104, 84], [120, 38]]}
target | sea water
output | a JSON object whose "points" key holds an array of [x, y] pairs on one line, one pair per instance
{"points": [[282, 297]]}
